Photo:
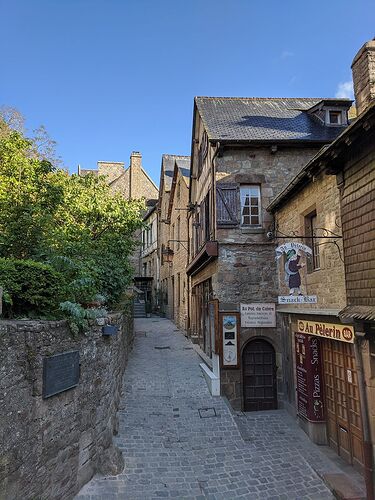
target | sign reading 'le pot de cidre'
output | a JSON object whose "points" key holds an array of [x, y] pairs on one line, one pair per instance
{"points": [[258, 315]]}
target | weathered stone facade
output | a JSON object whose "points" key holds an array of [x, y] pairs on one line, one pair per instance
{"points": [[51, 447], [246, 262], [363, 68], [133, 183], [327, 282], [149, 256], [243, 270], [171, 274], [323, 278], [178, 222]]}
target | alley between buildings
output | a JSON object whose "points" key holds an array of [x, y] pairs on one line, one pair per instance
{"points": [[180, 442]]}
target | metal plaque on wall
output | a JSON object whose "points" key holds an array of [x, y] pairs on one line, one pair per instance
{"points": [[60, 373]]}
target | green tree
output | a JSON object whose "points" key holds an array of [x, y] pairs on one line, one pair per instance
{"points": [[74, 224]]}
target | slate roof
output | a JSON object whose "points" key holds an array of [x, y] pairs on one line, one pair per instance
{"points": [[183, 164], [168, 167], [246, 119]]}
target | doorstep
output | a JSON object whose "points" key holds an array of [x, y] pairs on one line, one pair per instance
{"points": [[342, 487]]}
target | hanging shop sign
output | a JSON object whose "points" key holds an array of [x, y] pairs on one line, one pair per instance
{"points": [[229, 327], [309, 379], [295, 260], [343, 333], [260, 314]]}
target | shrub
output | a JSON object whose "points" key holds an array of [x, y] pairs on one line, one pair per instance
{"points": [[30, 288]]}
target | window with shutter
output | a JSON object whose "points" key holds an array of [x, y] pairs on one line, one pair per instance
{"points": [[227, 204], [250, 205]]}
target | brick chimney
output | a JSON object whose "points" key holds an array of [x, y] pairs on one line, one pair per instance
{"points": [[363, 68], [135, 175]]}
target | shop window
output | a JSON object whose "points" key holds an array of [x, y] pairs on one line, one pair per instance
{"points": [[250, 205], [313, 264]]}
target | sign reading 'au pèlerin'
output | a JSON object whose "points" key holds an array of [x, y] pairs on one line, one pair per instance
{"points": [[343, 333]]}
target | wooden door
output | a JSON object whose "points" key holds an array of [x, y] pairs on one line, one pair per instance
{"points": [[259, 376], [344, 423]]}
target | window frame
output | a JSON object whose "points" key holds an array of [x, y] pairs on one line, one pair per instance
{"points": [[242, 187], [313, 264]]}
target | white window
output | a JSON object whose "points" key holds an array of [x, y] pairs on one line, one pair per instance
{"points": [[334, 117], [250, 205]]}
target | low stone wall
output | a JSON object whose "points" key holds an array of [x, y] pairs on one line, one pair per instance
{"points": [[49, 448]]}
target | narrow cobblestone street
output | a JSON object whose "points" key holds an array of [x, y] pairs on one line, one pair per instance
{"points": [[180, 442]]}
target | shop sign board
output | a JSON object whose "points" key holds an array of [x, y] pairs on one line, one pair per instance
{"points": [[229, 325], [342, 333], [260, 314], [294, 273], [309, 378]]}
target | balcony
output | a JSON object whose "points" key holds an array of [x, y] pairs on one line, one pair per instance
{"points": [[207, 253]]}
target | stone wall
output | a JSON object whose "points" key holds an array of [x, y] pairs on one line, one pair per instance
{"points": [[358, 224], [179, 220], [51, 447], [327, 282], [246, 262]]}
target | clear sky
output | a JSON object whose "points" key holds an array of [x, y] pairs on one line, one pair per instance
{"points": [[110, 76]]}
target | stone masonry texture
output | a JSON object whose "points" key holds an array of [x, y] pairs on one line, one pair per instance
{"points": [[50, 448], [180, 442], [327, 283], [246, 262]]}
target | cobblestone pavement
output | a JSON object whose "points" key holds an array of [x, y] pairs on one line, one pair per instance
{"points": [[180, 442]]}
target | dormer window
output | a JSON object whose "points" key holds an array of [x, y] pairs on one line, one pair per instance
{"points": [[331, 112], [334, 117]]}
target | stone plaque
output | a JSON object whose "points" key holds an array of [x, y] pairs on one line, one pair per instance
{"points": [[260, 314], [60, 373]]}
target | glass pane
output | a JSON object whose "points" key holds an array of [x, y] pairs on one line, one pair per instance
{"points": [[254, 201], [255, 219], [246, 219]]}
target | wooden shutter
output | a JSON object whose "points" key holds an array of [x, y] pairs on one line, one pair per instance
{"points": [[227, 204]]}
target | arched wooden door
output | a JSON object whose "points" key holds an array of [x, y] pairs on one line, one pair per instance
{"points": [[259, 376]]}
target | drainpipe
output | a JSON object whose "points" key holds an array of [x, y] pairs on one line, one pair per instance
{"points": [[367, 446]]}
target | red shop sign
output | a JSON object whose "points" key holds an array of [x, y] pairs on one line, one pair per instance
{"points": [[309, 378]]}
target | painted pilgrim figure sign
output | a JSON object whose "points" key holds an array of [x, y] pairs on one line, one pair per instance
{"points": [[295, 260]]}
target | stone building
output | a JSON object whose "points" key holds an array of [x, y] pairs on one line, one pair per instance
{"points": [[344, 173], [244, 151], [133, 183], [177, 217], [172, 236], [311, 277], [149, 279]]}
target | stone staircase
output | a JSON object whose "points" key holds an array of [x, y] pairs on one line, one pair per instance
{"points": [[139, 310]]}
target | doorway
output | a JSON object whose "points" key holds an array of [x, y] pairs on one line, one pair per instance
{"points": [[343, 411], [259, 376]]}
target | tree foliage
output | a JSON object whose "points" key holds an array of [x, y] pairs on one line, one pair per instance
{"points": [[75, 225]]}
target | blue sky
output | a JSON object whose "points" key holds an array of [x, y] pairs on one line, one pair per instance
{"points": [[110, 76]]}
